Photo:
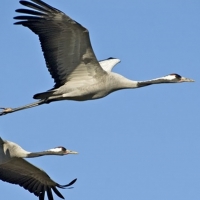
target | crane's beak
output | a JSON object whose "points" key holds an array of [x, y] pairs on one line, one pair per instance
{"points": [[183, 79], [71, 152]]}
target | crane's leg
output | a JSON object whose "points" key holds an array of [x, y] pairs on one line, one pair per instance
{"points": [[11, 110]]}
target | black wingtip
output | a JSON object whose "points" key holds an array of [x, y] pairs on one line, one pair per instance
{"points": [[69, 184], [57, 193], [110, 58], [49, 193], [41, 195]]}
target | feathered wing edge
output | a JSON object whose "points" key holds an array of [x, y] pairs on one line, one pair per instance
{"points": [[45, 10], [62, 187], [49, 192], [30, 183], [69, 184]]}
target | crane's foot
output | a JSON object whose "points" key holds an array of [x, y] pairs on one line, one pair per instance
{"points": [[5, 111]]}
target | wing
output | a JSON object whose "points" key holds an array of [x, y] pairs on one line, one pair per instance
{"points": [[65, 43], [1, 142], [2, 154], [109, 63], [19, 171]]}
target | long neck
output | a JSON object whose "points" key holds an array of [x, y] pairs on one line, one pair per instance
{"points": [[120, 82], [153, 81], [42, 153], [12, 150], [127, 83]]}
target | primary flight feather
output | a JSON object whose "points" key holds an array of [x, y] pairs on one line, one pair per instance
{"points": [[71, 61], [14, 169]]}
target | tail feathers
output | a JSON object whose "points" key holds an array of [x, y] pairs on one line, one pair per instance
{"points": [[43, 95]]}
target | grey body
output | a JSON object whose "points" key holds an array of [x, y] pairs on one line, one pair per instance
{"points": [[87, 90], [14, 169], [71, 61]]}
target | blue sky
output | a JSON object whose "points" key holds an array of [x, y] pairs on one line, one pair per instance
{"points": [[133, 144]]}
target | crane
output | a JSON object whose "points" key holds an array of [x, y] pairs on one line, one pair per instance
{"points": [[71, 61], [16, 170]]}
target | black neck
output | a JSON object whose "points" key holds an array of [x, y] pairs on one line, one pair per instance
{"points": [[150, 82]]}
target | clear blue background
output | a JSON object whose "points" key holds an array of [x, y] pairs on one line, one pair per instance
{"points": [[141, 144]]}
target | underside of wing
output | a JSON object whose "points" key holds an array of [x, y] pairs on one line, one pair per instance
{"points": [[19, 171], [65, 43]]}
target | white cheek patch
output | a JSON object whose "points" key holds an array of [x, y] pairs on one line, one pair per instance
{"points": [[170, 77], [55, 150]]}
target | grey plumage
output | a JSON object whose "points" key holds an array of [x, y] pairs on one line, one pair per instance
{"points": [[14, 169], [71, 61]]}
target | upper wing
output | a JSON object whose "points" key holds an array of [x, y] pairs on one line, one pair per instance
{"points": [[65, 43], [19, 171], [109, 63]]}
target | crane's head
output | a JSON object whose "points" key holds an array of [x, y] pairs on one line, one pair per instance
{"points": [[171, 78], [176, 78], [62, 151]]}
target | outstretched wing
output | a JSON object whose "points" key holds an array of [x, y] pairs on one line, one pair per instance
{"points": [[65, 43], [19, 171]]}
